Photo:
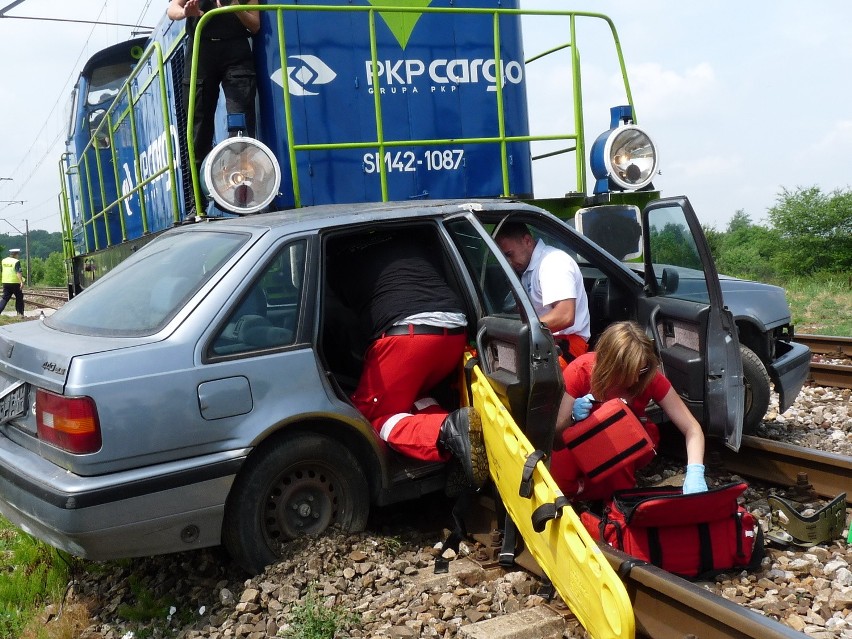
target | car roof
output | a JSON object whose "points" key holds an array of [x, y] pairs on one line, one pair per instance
{"points": [[327, 216]]}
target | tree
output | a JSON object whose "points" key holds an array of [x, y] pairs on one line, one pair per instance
{"points": [[36, 271], [54, 270], [740, 221], [816, 230], [672, 245], [714, 240], [41, 243], [748, 250]]}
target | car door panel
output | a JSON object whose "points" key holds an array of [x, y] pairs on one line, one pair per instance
{"points": [[677, 330], [684, 311], [516, 352]]}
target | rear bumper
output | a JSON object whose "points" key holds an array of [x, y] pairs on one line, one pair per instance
{"points": [[161, 509], [789, 371]]}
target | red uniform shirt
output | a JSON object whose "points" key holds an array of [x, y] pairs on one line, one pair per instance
{"points": [[578, 382], [568, 476]]}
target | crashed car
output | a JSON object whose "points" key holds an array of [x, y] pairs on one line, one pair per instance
{"points": [[197, 394]]}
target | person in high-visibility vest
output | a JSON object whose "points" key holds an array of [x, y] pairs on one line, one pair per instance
{"points": [[13, 281]]}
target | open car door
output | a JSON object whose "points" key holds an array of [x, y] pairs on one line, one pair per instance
{"points": [[515, 382], [516, 352], [695, 334]]}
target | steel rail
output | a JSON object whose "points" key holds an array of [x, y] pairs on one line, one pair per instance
{"points": [[40, 305], [780, 463], [49, 296], [827, 344], [665, 606], [828, 374], [668, 607], [824, 373]]}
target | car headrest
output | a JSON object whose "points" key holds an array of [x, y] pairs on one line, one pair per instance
{"points": [[255, 330]]}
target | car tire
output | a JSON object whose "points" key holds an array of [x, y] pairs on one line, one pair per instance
{"points": [[757, 390], [299, 485]]}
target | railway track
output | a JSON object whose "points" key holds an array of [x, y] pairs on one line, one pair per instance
{"points": [[832, 360], [667, 607], [48, 297], [780, 463]]}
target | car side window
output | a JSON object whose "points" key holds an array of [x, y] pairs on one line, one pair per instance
{"points": [[266, 316], [495, 289], [676, 261]]}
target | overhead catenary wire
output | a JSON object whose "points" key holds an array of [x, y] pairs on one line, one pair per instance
{"points": [[63, 92]]}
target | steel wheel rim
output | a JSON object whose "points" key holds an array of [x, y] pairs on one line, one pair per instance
{"points": [[302, 501]]}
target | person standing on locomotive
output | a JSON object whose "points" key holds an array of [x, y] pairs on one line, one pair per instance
{"points": [[13, 281], [555, 286], [225, 58]]}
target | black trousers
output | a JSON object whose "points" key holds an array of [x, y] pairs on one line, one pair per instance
{"points": [[225, 63], [8, 291]]}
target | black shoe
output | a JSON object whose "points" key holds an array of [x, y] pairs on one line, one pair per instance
{"points": [[457, 481], [461, 436]]}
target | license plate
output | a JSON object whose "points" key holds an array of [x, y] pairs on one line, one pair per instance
{"points": [[13, 403]]}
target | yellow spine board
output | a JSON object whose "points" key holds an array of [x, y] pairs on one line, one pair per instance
{"points": [[565, 551]]}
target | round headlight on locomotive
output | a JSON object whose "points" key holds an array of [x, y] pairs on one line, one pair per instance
{"points": [[624, 158], [241, 175]]}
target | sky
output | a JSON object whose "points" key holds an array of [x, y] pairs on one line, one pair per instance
{"points": [[742, 99]]}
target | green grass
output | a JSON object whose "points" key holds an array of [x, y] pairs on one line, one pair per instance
{"points": [[31, 576], [312, 619], [13, 319], [821, 305]]}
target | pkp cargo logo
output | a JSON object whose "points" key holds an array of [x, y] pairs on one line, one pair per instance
{"points": [[304, 72]]}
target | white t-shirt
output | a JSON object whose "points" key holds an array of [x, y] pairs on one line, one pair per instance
{"points": [[553, 276]]}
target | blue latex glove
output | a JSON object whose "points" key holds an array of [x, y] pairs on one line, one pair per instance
{"points": [[582, 407], [694, 480]]}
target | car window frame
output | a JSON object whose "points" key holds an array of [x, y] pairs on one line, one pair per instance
{"points": [[536, 413], [258, 271], [723, 396]]}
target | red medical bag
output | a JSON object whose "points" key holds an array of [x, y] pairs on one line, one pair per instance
{"points": [[609, 438], [693, 535]]}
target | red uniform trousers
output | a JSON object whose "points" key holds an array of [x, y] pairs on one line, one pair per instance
{"points": [[572, 346], [398, 371]]}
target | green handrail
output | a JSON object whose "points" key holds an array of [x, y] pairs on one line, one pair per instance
{"points": [[115, 116], [380, 142]]}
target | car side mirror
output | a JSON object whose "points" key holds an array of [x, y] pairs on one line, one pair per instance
{"points": [[669, 281]]}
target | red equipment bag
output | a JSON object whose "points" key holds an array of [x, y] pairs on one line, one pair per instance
{"points": [[693, 536], [609, 438]]}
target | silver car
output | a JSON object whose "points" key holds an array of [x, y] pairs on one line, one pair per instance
{"points": [[197, 394]]}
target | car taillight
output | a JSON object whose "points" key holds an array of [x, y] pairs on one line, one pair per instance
{"points": [[69, 423]]}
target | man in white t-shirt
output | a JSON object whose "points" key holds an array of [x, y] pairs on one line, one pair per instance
{"points": [[554, 283]]}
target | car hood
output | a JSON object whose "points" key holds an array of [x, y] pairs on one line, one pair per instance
{"points": [[37, 354], [765, 304]]}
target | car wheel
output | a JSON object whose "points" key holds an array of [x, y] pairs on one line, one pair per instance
{"points": [[297, 486], [756, 382]]}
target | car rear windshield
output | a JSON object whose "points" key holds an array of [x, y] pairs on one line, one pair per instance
{"points": [[144, 292]]}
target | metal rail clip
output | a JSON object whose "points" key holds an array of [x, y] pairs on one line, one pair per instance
{"points": [[788, 526]]}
